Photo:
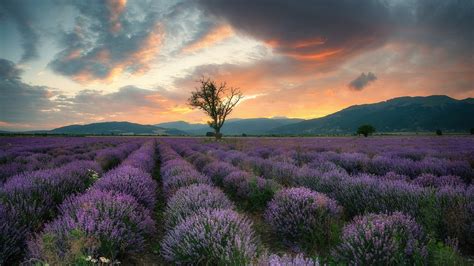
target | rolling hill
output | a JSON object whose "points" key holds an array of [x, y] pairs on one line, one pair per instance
{"points": [[252, 126], [116, 128], [404, 114]]}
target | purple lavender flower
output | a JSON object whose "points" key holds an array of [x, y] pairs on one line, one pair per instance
{"points": [[237, 183], [172, 184], [12, 235], [382, 239], [286, 260], [218, 171], [302, 217], [213, 237], [132, 181], [143, 158], [194, 199], [429, 180], [111, 224]]}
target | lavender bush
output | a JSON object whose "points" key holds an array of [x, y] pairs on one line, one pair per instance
{"points": [[429, 180], [132, 181], [108, 224], [382, 239], [194, 199], [303, 217], [12, 235], [173, 183], [218, 170], [214, 237]]}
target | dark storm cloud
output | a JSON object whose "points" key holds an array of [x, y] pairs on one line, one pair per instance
{"points": [[8, 70], [446, 24], [309, 30], [109, 39], [18, 12], [362, 81]]}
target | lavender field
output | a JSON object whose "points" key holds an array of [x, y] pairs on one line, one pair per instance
{"points": [[243, 201]]}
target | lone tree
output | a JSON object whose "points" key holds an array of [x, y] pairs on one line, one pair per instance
{"points": [[217, 101], [365, 130], [472, 131]]}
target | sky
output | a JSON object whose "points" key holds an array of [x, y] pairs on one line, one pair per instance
{"points": [[82, 61]]}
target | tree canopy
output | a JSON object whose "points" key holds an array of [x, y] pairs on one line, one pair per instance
{"points": [[366, 130], [217, 101]]}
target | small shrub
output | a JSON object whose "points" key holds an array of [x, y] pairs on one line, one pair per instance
{"points": [[261, 191], [303, 217], [444, 255], [365, 130], [214, 237], [382, 239]]}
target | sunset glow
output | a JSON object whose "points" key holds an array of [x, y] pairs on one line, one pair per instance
{"points": [[138, 61]]}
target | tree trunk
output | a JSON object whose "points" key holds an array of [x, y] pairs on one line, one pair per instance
{"points": [[217, 133]]}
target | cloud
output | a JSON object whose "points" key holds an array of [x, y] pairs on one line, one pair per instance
{"points": [[213, 36], [20, 102], [109, 39], [23, 106], [18, 12], [317, 33], [8, 70], [362, 81], [308, 30]]}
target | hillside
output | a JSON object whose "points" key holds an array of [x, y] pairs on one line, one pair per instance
{"points": [[116, 128], [251, 126], [404, 114]]}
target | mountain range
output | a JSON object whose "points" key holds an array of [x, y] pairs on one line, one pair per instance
{"points": [[251, 126], [403, 114]]}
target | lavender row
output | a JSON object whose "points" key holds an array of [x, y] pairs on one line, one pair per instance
{"points": [[110, 220], [200, 222], [20, 162], [255, 193], [252, 191], [30, 199], [442, 206], [363, 194], [306, 220]]}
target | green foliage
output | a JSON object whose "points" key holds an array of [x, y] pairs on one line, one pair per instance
{"points": [[76, 255], [365, 130], [260, 196], [439, 132], [444, 255], [472, 130]]}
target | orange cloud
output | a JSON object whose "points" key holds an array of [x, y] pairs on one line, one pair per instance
{"points": [[136, 63], [116, 8], [217, 34], [316, 56]]}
